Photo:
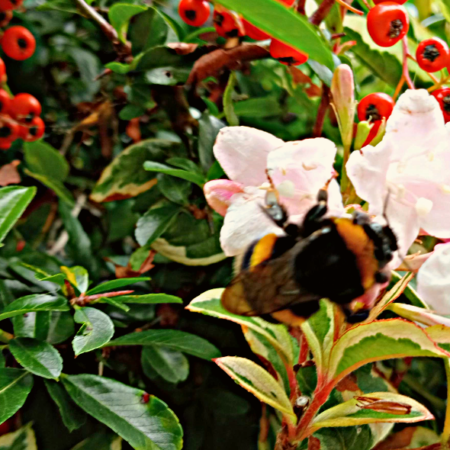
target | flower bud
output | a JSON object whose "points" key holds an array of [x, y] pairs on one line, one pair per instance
{"points": [[218, 194], [362, 133], [343, 102]]}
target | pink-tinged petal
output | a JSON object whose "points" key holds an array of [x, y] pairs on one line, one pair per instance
{"points": [[404, 222], [242, 153], [367, 172], [218, 194], [245, 222], [433, 282], [416, 124], [300, 169]]}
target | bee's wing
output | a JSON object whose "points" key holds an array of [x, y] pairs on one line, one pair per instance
{"points": [[266, 288]]}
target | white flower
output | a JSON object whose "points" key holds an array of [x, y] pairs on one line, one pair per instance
{"points": [[299, 170], [406, 177]]}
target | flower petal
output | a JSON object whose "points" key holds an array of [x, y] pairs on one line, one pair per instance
{"points": [[416, 124], [367, 172], [305, 166], [218, 194], [242, 153], [245, 222], [433, 282]]}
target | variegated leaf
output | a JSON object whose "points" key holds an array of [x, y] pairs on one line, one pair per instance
{"points": [[260, 383], [372, 408], [375, 341], [416, 314], [209, 304]]}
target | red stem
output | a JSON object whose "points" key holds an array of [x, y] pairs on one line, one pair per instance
{"points": [[83, 300], [321, 12], [405, 63], [322, 111]]}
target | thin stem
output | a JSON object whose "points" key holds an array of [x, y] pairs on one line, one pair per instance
{"points": [[350, 8], [5, 337], [322, 111], [399, 87], [411, 57], [405, 63], [301, 7], [85, 299], [439, 84], [445, 438], [321, 12]]}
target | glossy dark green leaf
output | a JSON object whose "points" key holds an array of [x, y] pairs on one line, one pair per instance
{"points": [[150, 299], [100, 441], [15, 385], [258, 107], [228, 105], [114, 302], [37, 357], [13, 201], [115, 284], [296, 30], [96, 330], [71, 414], [195, 178], [42, 159], [55, 185], [174, 189], [209, 127], [61, 327], [119, 16], [144, 421], [171, 365], [35, 302], [154, 222], [131, 112], [78, 277], [173, 340], [32, 324]]}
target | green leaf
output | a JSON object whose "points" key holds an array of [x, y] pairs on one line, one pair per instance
{"points": [[195, 178], [144, 421], [55, 185], [258, 107], [155, 222], [22, 439], [364, 410], [296, 30], [346, 438], [79, 242], [260, 383], [174, 189], [33, 325], [120, 68], [209, 303], [150, 299], [42, 159], [13, 202], [172, 340], [171, 365], [37, 357], [35, 302], [78, 277], [148, 30], [100, 441], [61, 327], [96, 330], [71, 414], [228, 107], [115, 284], [444, 6], [120, 14], [409, 292], [131, 112], [125, 177], [15, 385], [378, 340], [209, 127], [113, 302]]}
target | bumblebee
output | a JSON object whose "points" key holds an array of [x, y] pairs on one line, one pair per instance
{"points": [[338, 258]]}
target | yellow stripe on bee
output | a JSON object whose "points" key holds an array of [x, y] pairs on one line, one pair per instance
{"points": [[263, 249], [362, 247]]}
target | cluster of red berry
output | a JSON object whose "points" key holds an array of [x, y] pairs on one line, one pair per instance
{"points": [[228, 24], [19, 117], [17, 42]]}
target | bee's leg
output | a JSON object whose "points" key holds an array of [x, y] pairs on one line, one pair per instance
{"points": [[311, 222]]}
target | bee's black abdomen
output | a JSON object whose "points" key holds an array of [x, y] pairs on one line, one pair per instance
{"points": [[326, 267]]}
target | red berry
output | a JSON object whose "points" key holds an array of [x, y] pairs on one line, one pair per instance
{"points": [[286, 54], [18, 43], [3, 76], [25, 107], [228, 24], [375, 106], [287, 2], [5, 144], [443, 97], [399, 2], [432, 55], [9, 131], [5, 101], [9, 5], [194, 12], [5, 17], [32, 131], [387, 23], [253, 32]]}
